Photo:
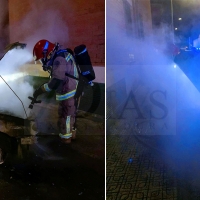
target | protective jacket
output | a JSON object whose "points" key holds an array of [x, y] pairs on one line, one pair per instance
{"points": [[65, 88]]}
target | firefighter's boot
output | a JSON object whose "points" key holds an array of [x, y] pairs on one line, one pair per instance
{"points": [[66, 138]]}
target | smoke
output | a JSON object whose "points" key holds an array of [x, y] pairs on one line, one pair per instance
{"points": [[13, 76], [163, 95], [39, 22], [42, 21]]}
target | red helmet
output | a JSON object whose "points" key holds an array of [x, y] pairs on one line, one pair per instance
{"points": [[42, 49]]}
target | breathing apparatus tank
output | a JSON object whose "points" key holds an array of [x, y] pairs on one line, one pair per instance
{"points": [[84, 63]]}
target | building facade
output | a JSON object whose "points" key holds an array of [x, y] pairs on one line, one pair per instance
{"points": [[71, 23]]}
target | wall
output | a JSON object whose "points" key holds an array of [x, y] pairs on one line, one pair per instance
{"points": [[122, 41], [115, 13], [4, 34], [69, 22], [121, 45], [144, 9], [117, 34]]}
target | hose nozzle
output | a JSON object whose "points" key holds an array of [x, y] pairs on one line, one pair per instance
{"points": [[33, 101]]}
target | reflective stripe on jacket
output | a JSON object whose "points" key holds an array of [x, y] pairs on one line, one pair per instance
{"points": [[70, 57], [46, 87], [61, 97]]}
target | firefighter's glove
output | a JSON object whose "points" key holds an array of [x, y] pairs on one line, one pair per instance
{"points": [[38, 92]]}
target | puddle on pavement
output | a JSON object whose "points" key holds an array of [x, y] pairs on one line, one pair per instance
{"points": [[49, 169]]}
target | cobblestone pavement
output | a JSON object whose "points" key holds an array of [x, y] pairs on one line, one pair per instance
{"points": [[135, 171], [144, 162]]}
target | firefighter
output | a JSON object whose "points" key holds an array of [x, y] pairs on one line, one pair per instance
{"points": [[57, 62]]}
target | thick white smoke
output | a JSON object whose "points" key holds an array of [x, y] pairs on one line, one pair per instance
{"points": [[152, 69], [41, 22], [50, 27], [148, 63], [10, 71]]}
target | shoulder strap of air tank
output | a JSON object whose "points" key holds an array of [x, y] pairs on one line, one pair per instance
{"points": [[67, 57]]}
